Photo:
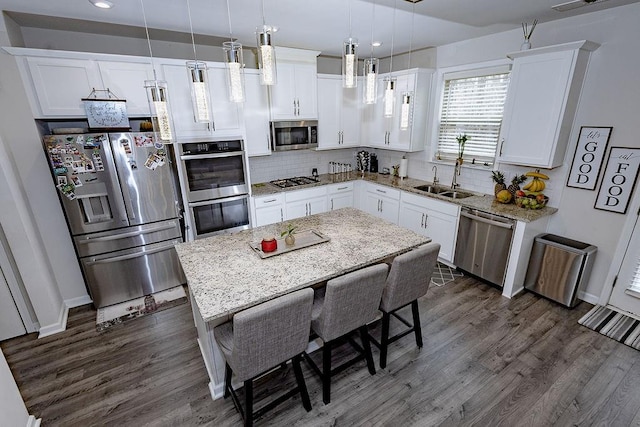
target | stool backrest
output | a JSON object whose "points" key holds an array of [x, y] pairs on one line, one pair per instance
{"points": [[270, 333], [351, 301], [410, 276]]}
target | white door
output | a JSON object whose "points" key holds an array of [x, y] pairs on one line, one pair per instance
{"points": [[10, 321], [626, 292], [256, 116]]}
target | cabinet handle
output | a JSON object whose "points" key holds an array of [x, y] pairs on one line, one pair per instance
{"points": [[501, 145], [381, 191], [281, 215], [269, 201], [294, 107], [426, 218], [342, 188], [309, 208], [331, 204], [422, 223], [306, 209], [380, 205]]}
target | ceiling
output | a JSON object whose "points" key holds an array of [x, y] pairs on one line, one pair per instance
{"points": [[311, 24]]}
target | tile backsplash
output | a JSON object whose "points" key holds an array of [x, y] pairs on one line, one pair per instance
{"points": [[287, 164]]}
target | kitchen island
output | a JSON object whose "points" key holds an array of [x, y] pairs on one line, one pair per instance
{"points": [[225, 275]]}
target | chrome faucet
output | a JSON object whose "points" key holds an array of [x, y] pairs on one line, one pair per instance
{"points": [[456, 172], [435, 175]]}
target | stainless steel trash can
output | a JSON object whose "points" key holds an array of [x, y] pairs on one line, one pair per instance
{"points": [[558, 266]]}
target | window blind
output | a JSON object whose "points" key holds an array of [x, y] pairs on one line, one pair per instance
{"points": [[634, 287], [473, 106]]}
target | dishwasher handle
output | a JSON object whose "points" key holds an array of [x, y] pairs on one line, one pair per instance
{"points": [[500, 224]]}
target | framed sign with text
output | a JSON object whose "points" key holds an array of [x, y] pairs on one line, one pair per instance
{"points": [[106, 113], [619, 179], [587, 160]]}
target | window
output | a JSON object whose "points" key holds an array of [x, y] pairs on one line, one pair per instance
{"points": [[472, 104]]}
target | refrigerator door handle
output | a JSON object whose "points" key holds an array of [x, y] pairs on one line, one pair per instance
{"points": [[89, 239], [131, 256]]}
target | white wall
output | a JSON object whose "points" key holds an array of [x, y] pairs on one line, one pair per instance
{"points": [[12, 408], [20, 137], [610, 97]]}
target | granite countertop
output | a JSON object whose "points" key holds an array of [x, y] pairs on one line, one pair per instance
{"points": [[483, 202], [225, 275]]}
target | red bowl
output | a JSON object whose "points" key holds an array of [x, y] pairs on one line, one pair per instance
{"points": [[269, 244]]}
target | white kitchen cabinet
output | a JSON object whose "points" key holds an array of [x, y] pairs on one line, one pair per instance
{"points": [[126, 81], [338, 113], [295, 96], [256, 115], [226, 114], [431, 218], [268, 209], [59, 84], [381, 201], [541, 102], [340, 195], [381, 132], [306, 202]]}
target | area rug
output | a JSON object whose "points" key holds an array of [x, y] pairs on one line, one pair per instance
{"points": [[614, 325], [444, 274], [128, 310]]}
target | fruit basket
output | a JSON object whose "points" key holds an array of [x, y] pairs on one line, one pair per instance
{"points": [[532, 201]]}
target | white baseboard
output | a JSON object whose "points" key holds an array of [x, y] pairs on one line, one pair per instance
{"points": [[33, 421], [78, 301], [59, 326], [590, 298]]}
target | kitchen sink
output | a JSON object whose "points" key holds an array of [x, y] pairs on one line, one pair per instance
{"points": [[429, 189], [455, 194]]}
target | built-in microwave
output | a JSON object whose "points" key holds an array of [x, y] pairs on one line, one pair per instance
{"points": [[300, 135]]}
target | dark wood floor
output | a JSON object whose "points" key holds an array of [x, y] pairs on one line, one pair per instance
{"points": [[486, 361]]}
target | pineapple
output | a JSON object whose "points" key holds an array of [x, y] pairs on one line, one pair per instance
{"points": [[498, 178], [515, 184]]}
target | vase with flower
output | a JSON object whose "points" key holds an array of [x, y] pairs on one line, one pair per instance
{"points": [[462, 140], [526, 45]]}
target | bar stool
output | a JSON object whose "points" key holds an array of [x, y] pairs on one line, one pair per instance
{"points": [[408, 280], [348, 303], [262, 338]]}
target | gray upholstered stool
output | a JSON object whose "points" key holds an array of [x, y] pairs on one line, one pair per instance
{"points": [[261, 338], [347, 304], [408, 280]]}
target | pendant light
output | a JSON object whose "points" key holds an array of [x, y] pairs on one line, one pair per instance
{"points": [[235, 64], [158, 97], [390, 82], [197, 71], [407, 96], [350, 59], [266, 53], [371, 70]]}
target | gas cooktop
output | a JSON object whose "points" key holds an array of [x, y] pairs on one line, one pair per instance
{"points": [[293, 182]]}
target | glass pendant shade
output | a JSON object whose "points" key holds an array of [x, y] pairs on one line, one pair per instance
{"points": [[370, 80], [266, 57], [405, 110], [157, 96], [350, 63], [199, 91], [389, 96], [235, 70]]}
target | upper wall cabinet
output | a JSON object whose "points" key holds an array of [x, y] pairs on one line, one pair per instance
{"points": [[541, 103], [295, 96], [56, 85], [338, 113], [381, 132], [226, 114], [256, 115]]}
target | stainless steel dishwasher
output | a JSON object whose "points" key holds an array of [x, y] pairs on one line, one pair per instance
{"points": [[483, 244]]}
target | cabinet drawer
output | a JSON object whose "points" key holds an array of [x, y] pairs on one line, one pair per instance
{"points": [[294, 196], [381, 190], [431, 204], [270, 200], [340, 188]]}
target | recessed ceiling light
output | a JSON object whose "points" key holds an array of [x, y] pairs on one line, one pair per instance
{"points": [[102, 4], [376, 44]]}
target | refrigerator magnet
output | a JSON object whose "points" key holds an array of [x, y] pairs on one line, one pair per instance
{"points": [[151, 162], [61, 179], [80, 139], [67, 190], [75, 179]]}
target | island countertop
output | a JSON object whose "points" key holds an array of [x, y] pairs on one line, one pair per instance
{"points": [[225, 275]]}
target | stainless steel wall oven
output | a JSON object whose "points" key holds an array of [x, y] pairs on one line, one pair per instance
{"points": [[213, 177]]}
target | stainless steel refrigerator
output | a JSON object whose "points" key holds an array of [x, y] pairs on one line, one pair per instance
{"points": [[119, 195]]}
